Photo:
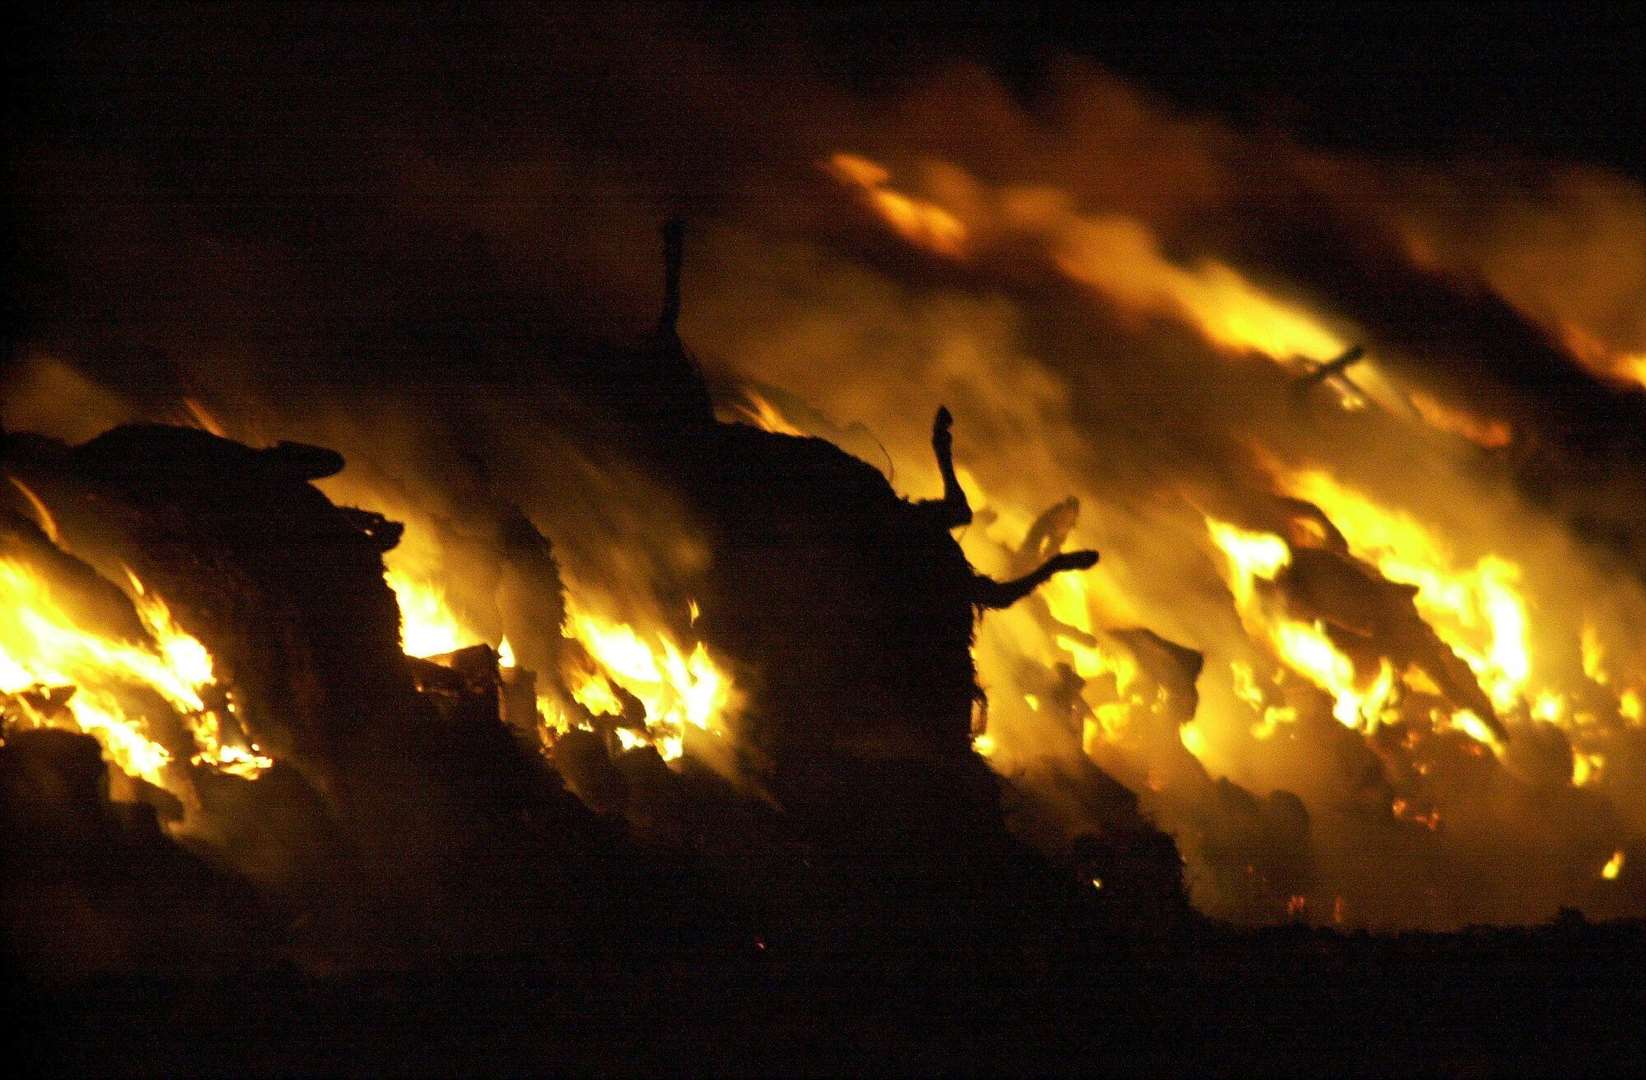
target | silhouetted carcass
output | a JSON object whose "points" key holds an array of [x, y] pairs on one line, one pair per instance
{"points": [[847, 610]]}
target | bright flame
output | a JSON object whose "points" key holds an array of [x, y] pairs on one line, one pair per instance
{"points": [[677, 688], [1304, 647], [1477, 611], [1613, 867], [428, 626], [1594, 655], [42, 649], [188, 657]]}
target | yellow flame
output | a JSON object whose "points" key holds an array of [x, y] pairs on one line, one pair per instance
{"points": [[1594, 655], [1586, 767], [1613, 867], [756, 410], [188, 657], [677, 688], [1473, 726], [1304, 647], [42, 648], [428, 626], [1193, 739], [1477, 611]]}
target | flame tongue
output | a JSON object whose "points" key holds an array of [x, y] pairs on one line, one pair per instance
{"points": [[42, 647], [649, 684]]}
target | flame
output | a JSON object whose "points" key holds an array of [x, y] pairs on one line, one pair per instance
{"points": [[1254, 557], [203, 417], [917, 220], [1121, 258], [1594, 655], [188, 657], [42, 649], [1586, 767], [1491, 434], [678, 688], [1615, 365], [42, 515], [1478, 611], [1613, 867], [756, 410], [428, 626]]}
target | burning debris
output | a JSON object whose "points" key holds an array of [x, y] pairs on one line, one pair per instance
{"points": [[334, 718], [379, 638]]}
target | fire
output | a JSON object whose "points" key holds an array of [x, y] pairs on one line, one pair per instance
{"points": [[53, 672], [917, 220], [1256, 557], [1613, 867], [47, 523], [678, 688], [1116, 255], [1478, 611], [428, 626], [755, 409], [1619, 366], [1491, 434], [188, 657], [1121, 258]]}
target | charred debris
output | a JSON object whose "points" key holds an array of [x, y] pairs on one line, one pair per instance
{"points": [[418, 847]]}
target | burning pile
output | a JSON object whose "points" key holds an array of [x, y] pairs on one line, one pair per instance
{"points": [[1364, 641]]}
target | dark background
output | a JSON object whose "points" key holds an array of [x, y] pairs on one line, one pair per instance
{"points": [[1556, 80]]}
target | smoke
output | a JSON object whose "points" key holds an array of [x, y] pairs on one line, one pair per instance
{"points": [[376, 248]]}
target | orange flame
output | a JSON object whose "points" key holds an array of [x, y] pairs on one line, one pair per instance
{"points": [[916, 220]]}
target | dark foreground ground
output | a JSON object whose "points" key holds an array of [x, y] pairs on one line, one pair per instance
{"points": [[898, 972]]}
